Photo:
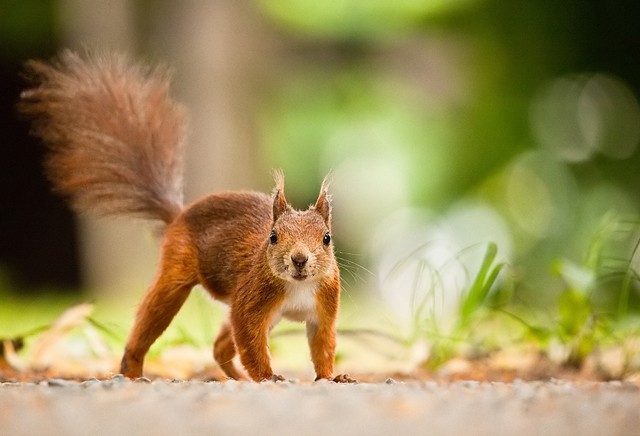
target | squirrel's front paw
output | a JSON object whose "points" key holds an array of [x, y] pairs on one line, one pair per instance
{"points": [[274, 378], [342, 378]]}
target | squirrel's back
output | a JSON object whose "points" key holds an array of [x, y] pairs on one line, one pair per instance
{"points": [[228, 230], [114, 134]]}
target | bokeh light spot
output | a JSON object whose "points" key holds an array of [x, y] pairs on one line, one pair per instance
{"points": [[574, 117]]}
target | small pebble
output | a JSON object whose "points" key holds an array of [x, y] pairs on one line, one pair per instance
{"points": [[390, 381], [119, 378], [90, 382], [58, 382]]}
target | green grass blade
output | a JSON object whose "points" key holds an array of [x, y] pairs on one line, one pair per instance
{"points": [[481, 285]]}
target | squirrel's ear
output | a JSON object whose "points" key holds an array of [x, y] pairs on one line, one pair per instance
{"points": [[323, 203], [280, 204]]}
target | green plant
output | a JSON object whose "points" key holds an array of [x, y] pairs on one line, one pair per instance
{"points": [[477, 301], [583, 322], [478, 295]]}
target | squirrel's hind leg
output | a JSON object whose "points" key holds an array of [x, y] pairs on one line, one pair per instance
{"points": [[161, 302], [158, 308], [224, 350]]}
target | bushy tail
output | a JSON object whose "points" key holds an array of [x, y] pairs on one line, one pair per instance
{"points": [[115, 136]]}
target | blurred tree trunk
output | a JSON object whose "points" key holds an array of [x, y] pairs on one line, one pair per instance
{"points": [[214, 47]]}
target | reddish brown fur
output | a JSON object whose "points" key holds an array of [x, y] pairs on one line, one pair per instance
{"points": [[116, 141]]}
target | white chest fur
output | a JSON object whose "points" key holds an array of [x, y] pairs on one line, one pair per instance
{"points": [[299, 302]]}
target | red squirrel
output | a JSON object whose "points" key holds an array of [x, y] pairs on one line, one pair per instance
{"points": [[115, 142]]}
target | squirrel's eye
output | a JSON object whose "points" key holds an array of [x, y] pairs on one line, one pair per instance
{"points": [[273, 237], [327, 238]]}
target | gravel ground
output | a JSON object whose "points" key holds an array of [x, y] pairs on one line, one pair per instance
{"points": [[120, 407]]}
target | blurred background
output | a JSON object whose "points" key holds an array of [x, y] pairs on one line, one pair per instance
{"points": [[450, 126]]}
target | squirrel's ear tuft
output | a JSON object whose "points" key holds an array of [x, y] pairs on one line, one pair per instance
{"points": [[323, 203], [280, 204]]}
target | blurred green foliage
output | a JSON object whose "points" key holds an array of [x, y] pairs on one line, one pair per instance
{"points": [[26, 26], [358, 19], [437, 102]]}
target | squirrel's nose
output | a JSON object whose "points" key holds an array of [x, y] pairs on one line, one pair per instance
{"points": [[299, 260]]}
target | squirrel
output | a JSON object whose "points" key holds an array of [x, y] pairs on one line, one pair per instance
{"points": [[115, 141]]}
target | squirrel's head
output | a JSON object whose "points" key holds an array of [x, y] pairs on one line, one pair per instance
{"points": [[300, 246]]}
